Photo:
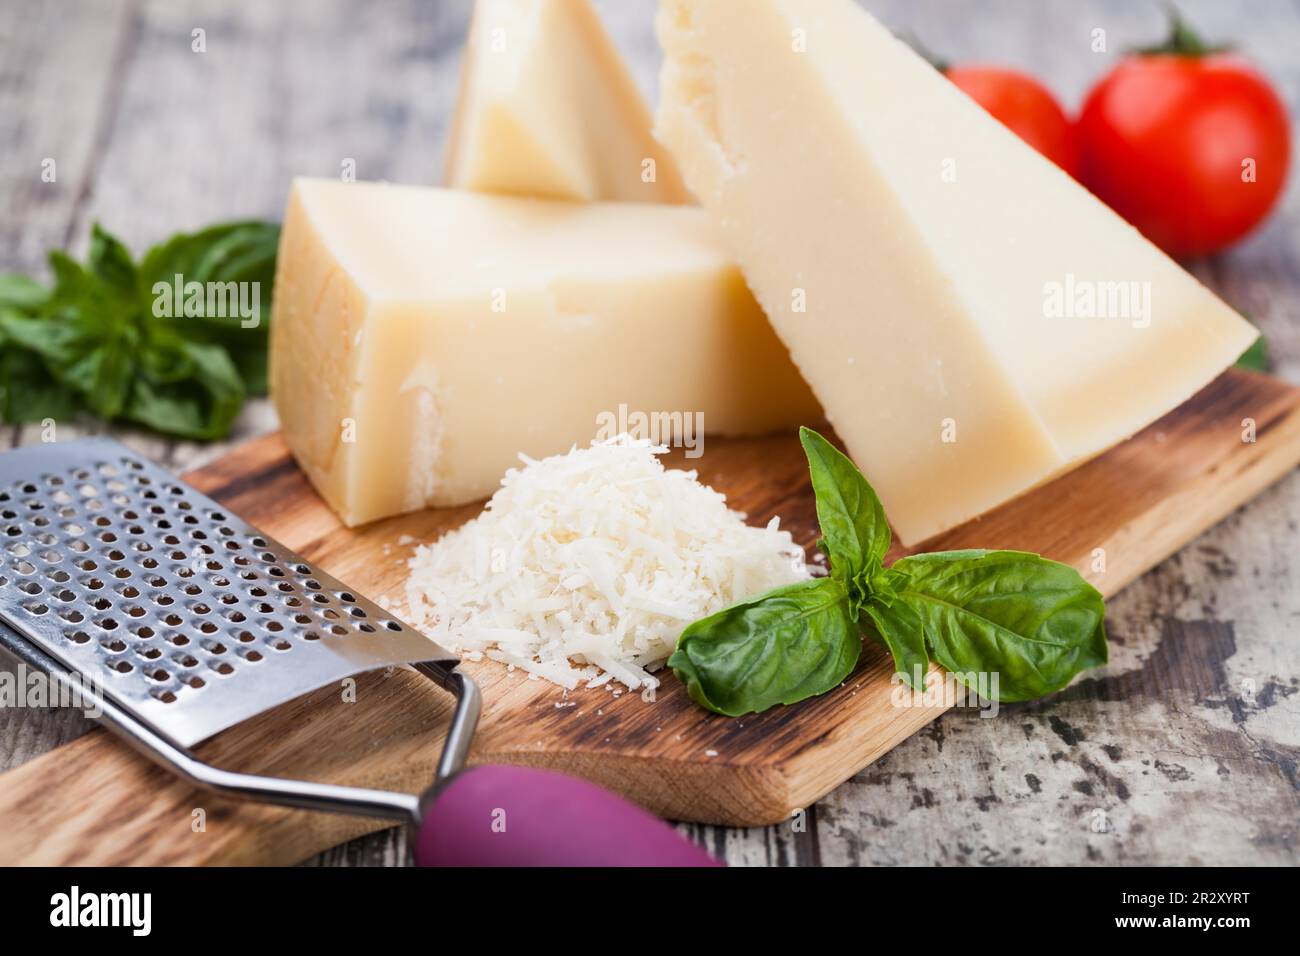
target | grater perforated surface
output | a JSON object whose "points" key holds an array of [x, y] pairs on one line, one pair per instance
{"points": [[186, 615]]}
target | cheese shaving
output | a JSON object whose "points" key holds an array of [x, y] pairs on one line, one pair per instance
{"points": [[586, 567]]}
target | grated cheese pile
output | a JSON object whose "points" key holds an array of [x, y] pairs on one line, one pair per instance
{"points": [[586, 567]]}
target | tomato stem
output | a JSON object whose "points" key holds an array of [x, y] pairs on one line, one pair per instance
{"points": [[1183, 40]]}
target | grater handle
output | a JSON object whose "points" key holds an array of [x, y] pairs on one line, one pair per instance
{"points": [[521, 816]]}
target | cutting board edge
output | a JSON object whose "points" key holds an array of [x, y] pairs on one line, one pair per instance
{"points": [[775, 789], [769, 790]]}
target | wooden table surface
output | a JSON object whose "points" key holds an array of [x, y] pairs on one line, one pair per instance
{"points": [[1184, 750]]}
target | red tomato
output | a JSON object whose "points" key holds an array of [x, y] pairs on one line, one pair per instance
{"points": [[1024, 106], [1166, 141]]}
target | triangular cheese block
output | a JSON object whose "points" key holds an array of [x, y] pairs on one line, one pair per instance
{"points": [[973, 321], [548, 108]]}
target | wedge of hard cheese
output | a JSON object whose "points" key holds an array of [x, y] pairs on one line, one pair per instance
{"points": [[547, 107], [423, 338], [973, 321]]}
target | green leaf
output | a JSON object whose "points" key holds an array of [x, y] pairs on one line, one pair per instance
{"points": [[111, 263], [88, 329], [187, 389], [92, 366], [1033, 622], [28, 392], [73, 284], [108, 370], [239, 252], [94, 341], [253, 365], [37, 335], [233, 251], [1256, 358], [851, 517], [793, 643], [900, 629], [22, 293]]}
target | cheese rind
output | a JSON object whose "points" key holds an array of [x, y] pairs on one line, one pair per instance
{"points": [[909, 250], [423, 338], [547, 107]]}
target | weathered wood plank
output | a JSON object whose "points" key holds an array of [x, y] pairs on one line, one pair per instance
{"points": [[55, 120]]}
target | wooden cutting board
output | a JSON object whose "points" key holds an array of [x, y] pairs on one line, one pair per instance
{"points": [[93, 801]]}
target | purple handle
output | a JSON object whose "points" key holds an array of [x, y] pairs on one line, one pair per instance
{"points": [[519, 816]]}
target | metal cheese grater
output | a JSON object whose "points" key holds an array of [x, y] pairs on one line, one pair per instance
{"points": [[187, 619]]}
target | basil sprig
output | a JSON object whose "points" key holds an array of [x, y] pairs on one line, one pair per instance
{"points": [[91, 343], [1035, 623]]}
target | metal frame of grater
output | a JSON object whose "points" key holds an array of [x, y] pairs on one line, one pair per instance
{"points": [[188, 620]]}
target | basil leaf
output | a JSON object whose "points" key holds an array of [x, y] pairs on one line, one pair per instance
{"points": [[1255, 358], [110, 262], [28, 392], [76, 357], [22, 293], [900, 628], [187, 389], [851, 517], [253, 366], [793, 643], [88, 329], [240, 252], [1033, 622], [94, 341]]}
